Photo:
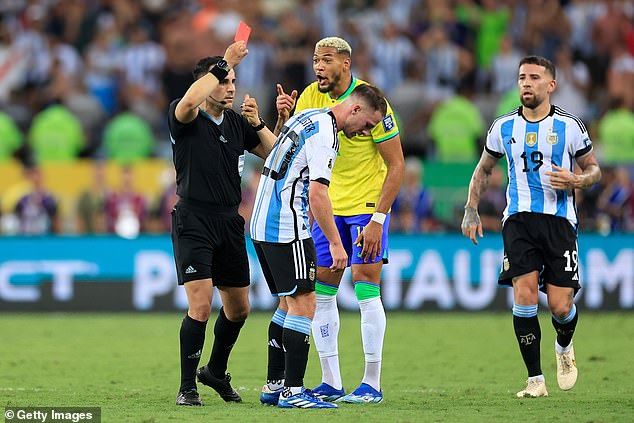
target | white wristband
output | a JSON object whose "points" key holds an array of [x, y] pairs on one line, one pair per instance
{"points": [[378, 218]]}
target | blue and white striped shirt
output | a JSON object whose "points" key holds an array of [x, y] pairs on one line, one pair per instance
{"points": [[305, 151], [531, 148]]}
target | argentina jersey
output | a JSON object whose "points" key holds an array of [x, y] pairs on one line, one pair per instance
{"points": [[304, 151], [531, 148]]}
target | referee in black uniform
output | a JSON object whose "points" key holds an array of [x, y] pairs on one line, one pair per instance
{"points": [[208, 144]]}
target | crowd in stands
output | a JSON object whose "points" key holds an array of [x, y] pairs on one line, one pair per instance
{"points": [[92, 80]]}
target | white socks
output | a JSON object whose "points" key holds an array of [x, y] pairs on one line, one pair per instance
{"points": [[325, 333], [372, 332], [326, 330]]}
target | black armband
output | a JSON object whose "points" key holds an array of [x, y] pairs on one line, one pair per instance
{"points": [[219, 72]]}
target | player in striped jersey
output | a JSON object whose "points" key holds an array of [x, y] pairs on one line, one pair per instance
{"points": [[365, 182], [297, 172], [542, 143]]}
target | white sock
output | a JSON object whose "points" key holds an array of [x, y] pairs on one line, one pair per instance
{"points": [[372, 334], [561, 349], [289, 391], [325, 334], [538, 378]]}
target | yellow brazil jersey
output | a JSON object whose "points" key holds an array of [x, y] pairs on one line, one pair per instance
{"points": [[359, 172]]}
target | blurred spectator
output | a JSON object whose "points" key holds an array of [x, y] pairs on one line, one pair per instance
{"points": [[493, 202], [616, 135], [101, 70], [505, 66], [412, 211], [614, 201], [56, 135], [391, 52], [127, 138], [125, 208], [294, 45], [573, 82], [547, 27], [37, 210], [445, 63], [620, 75], [10, 137], [91, 205], [142, 61], [13, 62], [491, 23], [457, 142], [582, 14], [176, 37]]}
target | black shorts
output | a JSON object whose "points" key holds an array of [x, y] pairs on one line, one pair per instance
{"points": [[542, 242], [288, 268], [209, 244]]}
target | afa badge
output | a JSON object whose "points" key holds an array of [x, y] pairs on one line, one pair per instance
{"points": [[506, 265], [312, 272], [388, 123], [551, 138], [531, 138]]}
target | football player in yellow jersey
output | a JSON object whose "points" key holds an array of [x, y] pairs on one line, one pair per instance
{"points": [[366, 178]]}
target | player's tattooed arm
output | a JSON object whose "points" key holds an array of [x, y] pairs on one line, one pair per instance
{"points": [[591, 172], [471, 224], [563, 179]]}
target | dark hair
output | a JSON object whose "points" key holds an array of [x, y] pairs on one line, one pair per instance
{"points": [[540, 61], [203, 66], [372, 96]]}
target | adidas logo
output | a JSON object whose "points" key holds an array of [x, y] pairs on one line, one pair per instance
{"points": [[197, 354], [190, 269], [273, 343], [575, 277]]}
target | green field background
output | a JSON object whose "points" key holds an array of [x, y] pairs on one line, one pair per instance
{"points": [[437, 367]]}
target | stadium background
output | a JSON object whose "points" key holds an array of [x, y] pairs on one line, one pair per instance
{"points": [[85, 155], [84, 85]]}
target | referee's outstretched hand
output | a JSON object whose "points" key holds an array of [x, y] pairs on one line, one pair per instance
{"points": [[235, 53]]}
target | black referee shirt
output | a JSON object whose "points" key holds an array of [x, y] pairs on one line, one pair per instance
{"points": [[207, 156]]}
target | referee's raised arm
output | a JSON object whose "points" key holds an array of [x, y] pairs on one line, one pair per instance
{"points": [[187, 108]]}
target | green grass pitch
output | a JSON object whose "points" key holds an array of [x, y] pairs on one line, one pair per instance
{"points": [[436, 368]]}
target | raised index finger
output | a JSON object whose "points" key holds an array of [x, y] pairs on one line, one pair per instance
{"points": [[280, 90]]}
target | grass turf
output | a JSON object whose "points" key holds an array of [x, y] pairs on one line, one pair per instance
{"points": [[436, 368]]}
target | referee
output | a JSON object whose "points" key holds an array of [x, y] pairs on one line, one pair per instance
{"points": [[208, 144]]}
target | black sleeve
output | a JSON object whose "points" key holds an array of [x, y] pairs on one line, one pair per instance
{"points": [[176, 128], [251, 138], [493, 153]]}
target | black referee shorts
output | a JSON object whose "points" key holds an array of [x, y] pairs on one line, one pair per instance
{"points": [[288, 268], [209, 244], [542, 242]]}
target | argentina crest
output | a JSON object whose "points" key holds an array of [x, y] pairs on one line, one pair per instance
{"points": [[531, 138], [551, 138]]}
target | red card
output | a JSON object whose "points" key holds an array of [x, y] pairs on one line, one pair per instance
{"points": [[243, 32]]}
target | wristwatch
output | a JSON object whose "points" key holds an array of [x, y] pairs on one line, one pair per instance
{"points": [[220, 70], [222, 64], [260, 126]]}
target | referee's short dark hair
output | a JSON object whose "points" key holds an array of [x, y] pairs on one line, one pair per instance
{"points": [[540, 61], [372, 96], [203, 66]]}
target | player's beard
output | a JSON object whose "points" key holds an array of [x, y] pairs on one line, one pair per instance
{"points": [[333, 83], [532, 103]]}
